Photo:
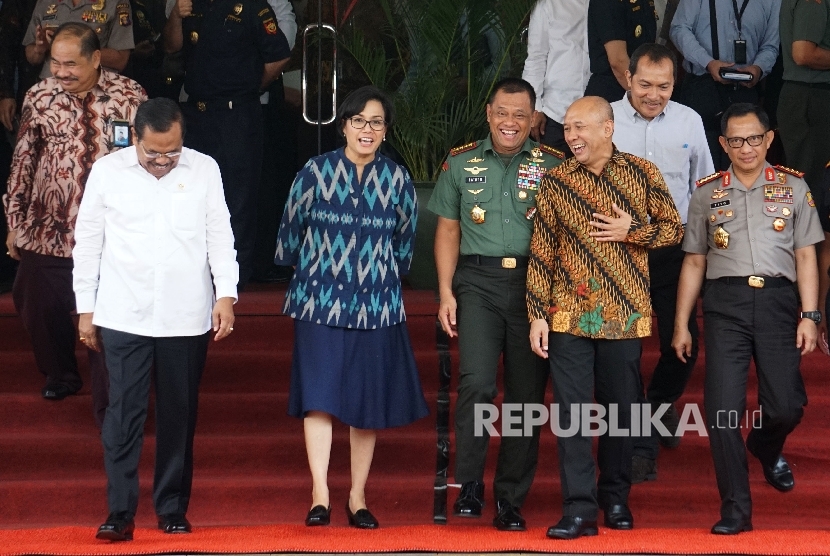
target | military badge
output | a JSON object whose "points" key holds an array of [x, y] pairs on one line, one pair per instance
{"points": [[721, 238], [475, 191], [782, 177], [779, 224], [445, 166], [729, 213], [531, 213], [810, 200], [522, 195], [536, 152], [270, 26], [772, 208], [237, 9], [709, 178], [638, 31], [99, 5], [769, 175], [52, 9], [475, 170], [719, 194], [778, 194], [263, 12], [786, 212], [550, 150], [477, 214], [530, 175], [712, 218], [194, 37], [474, 160]]}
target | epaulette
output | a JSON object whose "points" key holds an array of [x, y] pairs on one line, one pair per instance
{"points": [[709, 178], [463, 148], [550, 150], [790, 171]]}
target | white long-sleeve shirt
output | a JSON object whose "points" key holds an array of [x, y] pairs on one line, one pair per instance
{"points": [[145, 248], [557, 62]]}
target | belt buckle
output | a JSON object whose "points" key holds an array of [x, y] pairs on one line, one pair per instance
{"points": [[508, 262], [756, 281], [201, 106]]}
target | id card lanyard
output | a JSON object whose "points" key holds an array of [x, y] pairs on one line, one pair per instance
{"points": [[740, 44]]}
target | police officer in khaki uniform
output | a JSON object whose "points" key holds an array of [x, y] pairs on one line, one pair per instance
{"points": [[485, 202], [752, 232], [110, 19]]}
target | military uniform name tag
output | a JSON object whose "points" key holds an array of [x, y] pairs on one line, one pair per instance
{"points": [[725, 203], [477, 214], [476, 179]]}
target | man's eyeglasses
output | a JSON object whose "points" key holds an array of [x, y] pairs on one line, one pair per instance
{"points": [[153, 156], [738, 142], [359, 123]]}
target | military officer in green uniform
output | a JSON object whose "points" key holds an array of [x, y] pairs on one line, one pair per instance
{"points": [[485, 202]]}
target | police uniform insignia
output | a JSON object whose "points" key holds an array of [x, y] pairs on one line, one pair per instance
{"points": [[719, 194], [194, 37], [234, 18], [790, 171], [475, 191], [99, 5], [778, 194], [263, 12], [550, 150], [638, 31], [536, 152], [779, 224], [237, 9], [463, 148], [810, 200], [782, 177], [475, 159], [721, 238], [729, 213], [709, 178], [475, 170], [270, 26], [477, 214], [52, 9], [712, 217], [772, 208], [786, 211], [769, 174]]}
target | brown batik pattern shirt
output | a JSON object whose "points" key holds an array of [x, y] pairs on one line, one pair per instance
{"points": [[61, 135], [593, 288]]}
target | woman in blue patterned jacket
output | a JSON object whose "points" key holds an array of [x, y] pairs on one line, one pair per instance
{"points": [[349, 229]]}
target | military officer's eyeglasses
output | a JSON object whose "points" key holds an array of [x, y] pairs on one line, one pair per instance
{"points": [[154, 155], [738, 142], [359, 123]]}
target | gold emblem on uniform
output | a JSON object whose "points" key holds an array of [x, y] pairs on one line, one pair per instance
{"points": [[772, 208], [475, 170], [782, 177], [721, 238], [477, 214], [779, 224], [729, 213], [237, 9], [536, 152], [719, 193], [99, 5], [638, 31], [522, 195], [52, 9], [713, 217], [475, 159], [475, 191], [786, 211], [194, 37]]}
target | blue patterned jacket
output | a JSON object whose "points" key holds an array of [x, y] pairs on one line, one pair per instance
{"points": [[350, 242]]}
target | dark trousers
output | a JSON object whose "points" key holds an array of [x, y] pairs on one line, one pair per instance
{"points": [[555, 137], [177, 364], [709, 99], [492, 322], [804, 124], [743, 323], [234, 139], [584, 370], [279, 166], [44, 298], [671, 374]]}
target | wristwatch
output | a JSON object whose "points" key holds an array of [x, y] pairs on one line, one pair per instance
{"points": [[814, 316]]}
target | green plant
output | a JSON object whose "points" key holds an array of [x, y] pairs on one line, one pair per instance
{"points": [[439, 59]]}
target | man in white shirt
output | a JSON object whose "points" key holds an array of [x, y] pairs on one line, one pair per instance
{"points": [[557, 64], [649, 125], [147, 291]]}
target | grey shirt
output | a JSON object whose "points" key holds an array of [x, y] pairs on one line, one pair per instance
{"points": [[674, 140], [749, 216], [691, 33]]}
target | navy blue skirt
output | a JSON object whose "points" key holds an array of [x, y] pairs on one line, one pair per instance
{"points": [[365, 378]]}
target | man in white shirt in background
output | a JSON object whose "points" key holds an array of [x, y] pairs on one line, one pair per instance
{"points": [[147, 291], [557, 64], [647, 124]]}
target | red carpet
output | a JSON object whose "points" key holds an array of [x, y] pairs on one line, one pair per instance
{"points": [[252, 488]]}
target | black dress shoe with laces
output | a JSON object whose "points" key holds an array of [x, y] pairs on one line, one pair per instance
{"points": [[618, 516], [174, 523], [362, 519], [731, 526], [508, 517], [572, 527], [118, 527], [318, 515], [471, 500]]}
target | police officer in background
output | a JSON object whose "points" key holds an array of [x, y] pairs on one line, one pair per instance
{"points": [[485, 202], [751, 232], [615, 30], [233, 50]]}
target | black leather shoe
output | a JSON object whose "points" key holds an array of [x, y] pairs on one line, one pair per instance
{"points": [[362, 519], [731, 526], [174, 523], [471, 500], [118, 527], [57, 392], [780, 475], [643, 469], [318, 515], [618, 516], [572, 527], [508, 517]]}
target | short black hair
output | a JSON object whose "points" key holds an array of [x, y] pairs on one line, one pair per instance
{"points": [[743, 109], [356, 101], [512, 85], [654, 53], [89, 39], [159, 115]]}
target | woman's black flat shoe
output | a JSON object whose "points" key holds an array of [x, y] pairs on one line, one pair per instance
{"points": [[318, 515], [362, 519]]}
